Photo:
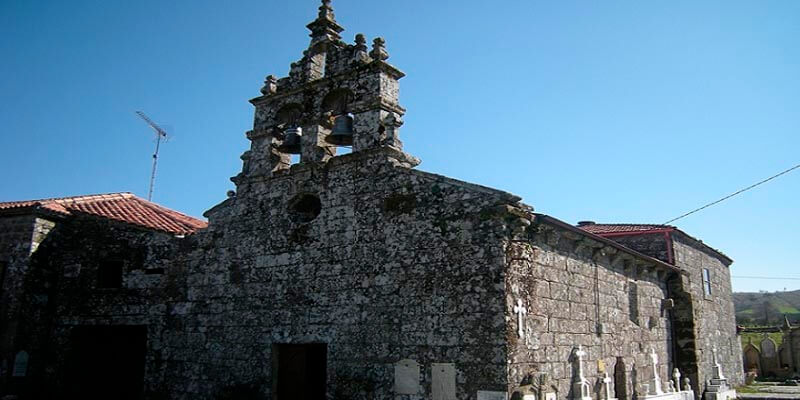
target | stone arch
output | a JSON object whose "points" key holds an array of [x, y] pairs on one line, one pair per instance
{"points": [[289, 115], [752, 358], [622, 380], [337, 101]]}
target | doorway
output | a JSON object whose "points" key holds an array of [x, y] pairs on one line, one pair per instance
{"points": [[300, 371], [106, 362]]}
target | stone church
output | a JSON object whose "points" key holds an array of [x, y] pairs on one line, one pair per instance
{"points": [[353, 276]]}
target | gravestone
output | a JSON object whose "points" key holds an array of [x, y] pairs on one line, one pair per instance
{"points": [[768, 348], [491, 395], [752, 358], [770, 362], [443, 381], [406, 377]]}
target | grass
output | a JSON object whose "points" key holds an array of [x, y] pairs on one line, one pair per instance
{"points": [[750, 389], [758, 337]]}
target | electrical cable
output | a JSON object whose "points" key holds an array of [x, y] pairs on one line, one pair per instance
{"points": [[734, 194], [764, 277]]}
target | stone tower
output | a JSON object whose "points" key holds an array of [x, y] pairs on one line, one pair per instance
{"points": [[332, 79]]}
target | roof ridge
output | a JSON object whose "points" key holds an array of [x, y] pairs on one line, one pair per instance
{"points": [[630, 224], [119, 206], [67, 198], [159, 207]]}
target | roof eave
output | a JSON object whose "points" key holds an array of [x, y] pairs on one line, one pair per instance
{"points": [[561, 224]]}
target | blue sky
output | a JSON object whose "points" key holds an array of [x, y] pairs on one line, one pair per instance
{"points": [[614, 111]]}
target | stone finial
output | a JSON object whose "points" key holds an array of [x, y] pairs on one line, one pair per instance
{"points": [[379, 49], [392, 124], [360, 52], [270, 85], [324, 28], [326, 11], [676, 377], [361, 42], [687, 384]]}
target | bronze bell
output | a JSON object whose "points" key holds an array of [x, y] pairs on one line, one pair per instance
{"points": [[291, 140], [342, 133]]}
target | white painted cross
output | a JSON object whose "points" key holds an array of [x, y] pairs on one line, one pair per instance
{"points": [[520, 311]]}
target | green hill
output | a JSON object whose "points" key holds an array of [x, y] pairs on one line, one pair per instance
{"points": [[765, 309]]}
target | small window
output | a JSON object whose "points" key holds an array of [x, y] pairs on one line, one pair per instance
{"points": [[706, 282], [633, 302], [304, 208], [109, 274]]}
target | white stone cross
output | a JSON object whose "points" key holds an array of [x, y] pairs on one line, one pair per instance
{"points": [[607, 386], [520, 311], [580, 386], [579, 353], [714, 355], [656, 387], [716, 368]]}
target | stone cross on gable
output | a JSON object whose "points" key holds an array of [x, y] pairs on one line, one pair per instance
{"points": [[520, 311]]}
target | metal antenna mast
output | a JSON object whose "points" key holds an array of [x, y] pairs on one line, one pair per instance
{"points": [[160, 133]]}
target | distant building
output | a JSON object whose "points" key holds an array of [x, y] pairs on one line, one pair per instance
{"points": [[353, 276]]}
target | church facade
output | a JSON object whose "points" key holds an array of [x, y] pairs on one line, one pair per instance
{"points": [[353, 276]]}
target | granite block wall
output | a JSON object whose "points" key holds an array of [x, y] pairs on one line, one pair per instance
{"points": [[714, 315], [581, 292]]}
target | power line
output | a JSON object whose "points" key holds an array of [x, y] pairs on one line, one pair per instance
{"points": [[734, 194], [765, 277]]}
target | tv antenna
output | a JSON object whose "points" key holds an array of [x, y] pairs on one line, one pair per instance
{"points": [[160, 133]]}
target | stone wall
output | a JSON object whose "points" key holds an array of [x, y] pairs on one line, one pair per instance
{"points": [[714, 315], [656, 245], [397, 265], [581, 292], [61, 292], [20, 236]]}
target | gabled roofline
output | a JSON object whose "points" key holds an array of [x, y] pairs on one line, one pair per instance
{"points": [[122, 207], [669, 229], [564, 225]]}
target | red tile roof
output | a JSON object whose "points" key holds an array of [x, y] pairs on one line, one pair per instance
{"points": [[601, 229], [124, 207], [612, 230]]}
